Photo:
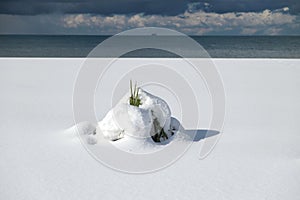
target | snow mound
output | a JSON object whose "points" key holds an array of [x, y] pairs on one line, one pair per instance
{"points": [[139, 122]]}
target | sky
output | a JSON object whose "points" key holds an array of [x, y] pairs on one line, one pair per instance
{"points": [[108, 17]]}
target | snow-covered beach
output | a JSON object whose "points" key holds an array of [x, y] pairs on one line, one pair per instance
{"points": [[257, 156]]}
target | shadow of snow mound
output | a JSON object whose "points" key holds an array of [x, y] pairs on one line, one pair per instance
{"points": [[191, 134], [202, 134]]}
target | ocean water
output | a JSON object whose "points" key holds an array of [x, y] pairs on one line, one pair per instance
{"points": [[216, 46]]}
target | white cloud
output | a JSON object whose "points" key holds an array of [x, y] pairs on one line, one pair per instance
{"points": [[197, 22], [285, 9]]}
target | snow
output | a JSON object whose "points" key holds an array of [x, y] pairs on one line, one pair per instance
{"points": [[257, 156], [133, 126], [158, 108], [125, 119], [109, 127]]}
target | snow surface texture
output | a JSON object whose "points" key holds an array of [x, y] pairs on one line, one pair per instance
{"points": [[125, 119], [257, 157], [130, 144]]}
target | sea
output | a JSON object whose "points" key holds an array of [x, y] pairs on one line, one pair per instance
{"points": [[215, 46]]}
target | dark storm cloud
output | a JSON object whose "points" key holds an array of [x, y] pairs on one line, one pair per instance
{"points": [[104, 7], [148, 7]]}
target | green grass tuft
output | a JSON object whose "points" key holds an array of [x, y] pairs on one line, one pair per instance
{"points": [[134, 99]]}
